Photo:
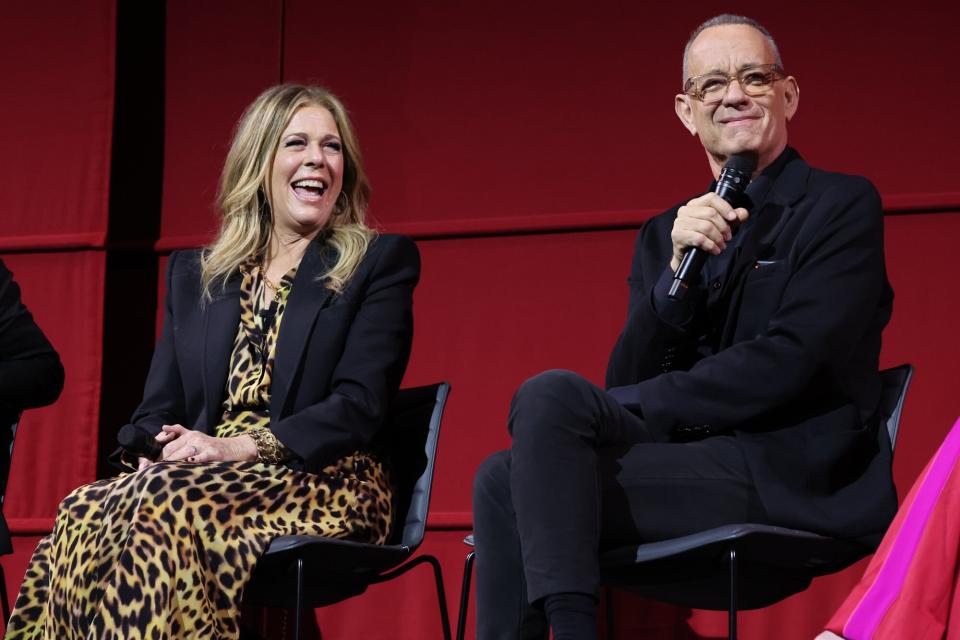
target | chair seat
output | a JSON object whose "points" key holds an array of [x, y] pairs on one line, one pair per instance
{"points": [[772, 563], [347, 566]]}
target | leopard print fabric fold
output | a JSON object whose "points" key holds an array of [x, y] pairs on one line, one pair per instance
{"points": [[165, 552]]}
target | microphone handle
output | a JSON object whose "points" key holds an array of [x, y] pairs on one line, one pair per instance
{"points": [[694, 259], [690, 266], [731, 186]]}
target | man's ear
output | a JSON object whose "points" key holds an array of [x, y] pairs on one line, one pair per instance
{"points": [[791, 96], [684, 109]]}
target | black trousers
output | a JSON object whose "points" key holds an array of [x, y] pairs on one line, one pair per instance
{"points": [[584, 474]]}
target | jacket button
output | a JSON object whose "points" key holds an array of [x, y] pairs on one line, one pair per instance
{"points": [[716, 283]]}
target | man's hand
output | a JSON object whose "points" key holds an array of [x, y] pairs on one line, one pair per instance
{"points": [[706, 223], [194, 446]]}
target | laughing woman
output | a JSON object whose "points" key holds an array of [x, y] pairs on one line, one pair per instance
{"points": [[283, 344]]}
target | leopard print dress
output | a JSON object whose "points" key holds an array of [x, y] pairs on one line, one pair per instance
{"points": [[165, 552]]}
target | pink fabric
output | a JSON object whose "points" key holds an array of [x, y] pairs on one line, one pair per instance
{"points": [[910, 590]]}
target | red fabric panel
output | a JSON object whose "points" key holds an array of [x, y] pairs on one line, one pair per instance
{"points": [[513, 109], [490, 312], [56, 121], [923, 271], [56, 446], [220, 55]]}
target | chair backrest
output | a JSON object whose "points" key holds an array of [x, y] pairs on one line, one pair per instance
{"points": [[410, 444], [894, 384]]}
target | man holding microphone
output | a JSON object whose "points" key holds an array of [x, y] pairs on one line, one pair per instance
{"points": [[745, 393]]}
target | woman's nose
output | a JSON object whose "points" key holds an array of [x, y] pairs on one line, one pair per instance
{"points": [[314, 157]]}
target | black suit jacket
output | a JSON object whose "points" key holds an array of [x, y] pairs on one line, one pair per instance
{"points": [[339, 357], [792, 346], [30, 371], [30, 375]]}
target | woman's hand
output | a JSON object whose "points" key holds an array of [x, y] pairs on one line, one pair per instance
{"points": [[194, 446]]}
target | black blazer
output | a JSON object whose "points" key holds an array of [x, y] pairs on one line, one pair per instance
{"points": [[794, 337], [339, 357], [30, 371], [30, 375]]}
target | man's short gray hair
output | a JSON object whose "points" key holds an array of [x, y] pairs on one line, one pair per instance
{"points": [[724, 19]]}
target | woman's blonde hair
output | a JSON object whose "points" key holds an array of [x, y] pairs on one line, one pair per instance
{"points": [[246, 219]]}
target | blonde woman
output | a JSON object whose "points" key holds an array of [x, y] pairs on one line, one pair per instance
{"points": [[282, 346]]}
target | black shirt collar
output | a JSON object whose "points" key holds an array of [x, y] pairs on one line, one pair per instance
{"points": [[758, 190]]}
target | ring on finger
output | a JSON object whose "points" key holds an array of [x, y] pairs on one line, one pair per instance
{"points": [[195, 450]]}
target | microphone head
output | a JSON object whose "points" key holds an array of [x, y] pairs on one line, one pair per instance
{"points": [[735, 176], [129, 436], [139, 441], [744, 162]]}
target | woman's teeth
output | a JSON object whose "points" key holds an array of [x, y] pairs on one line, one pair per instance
{"points": [[317, 187]]}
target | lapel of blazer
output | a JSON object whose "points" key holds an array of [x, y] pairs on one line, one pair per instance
{"points": [[220, 330], [307, 297], [771, 219]]}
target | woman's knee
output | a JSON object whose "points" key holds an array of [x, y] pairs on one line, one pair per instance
{"points": [[80, 502], [173, 485]]}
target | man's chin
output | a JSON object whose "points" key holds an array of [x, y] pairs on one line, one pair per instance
{"points": [[741, 144]]}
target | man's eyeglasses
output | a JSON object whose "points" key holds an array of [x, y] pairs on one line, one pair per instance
{"points": [[754, 81]]}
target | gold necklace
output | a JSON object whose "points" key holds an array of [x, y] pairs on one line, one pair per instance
{"points": [[267, 281], [263, 276]]}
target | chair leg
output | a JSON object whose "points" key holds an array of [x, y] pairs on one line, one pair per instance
{"points": [[465, 596], [732, 612], [298, 619], [438, 579], [441, 597]]}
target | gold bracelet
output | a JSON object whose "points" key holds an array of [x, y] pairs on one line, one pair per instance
{"points": [[269, 448]]}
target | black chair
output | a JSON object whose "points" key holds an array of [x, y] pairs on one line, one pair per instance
{"points": [[8, 432], [744, 566], [738, 566], [314, 571]]}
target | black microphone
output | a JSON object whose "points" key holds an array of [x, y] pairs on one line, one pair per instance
{"points": [[137, 441], [733, 181]]}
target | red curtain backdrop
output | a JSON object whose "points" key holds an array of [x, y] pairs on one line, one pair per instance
{"points": [[55, 122], [55, 136], [522, 145]]}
